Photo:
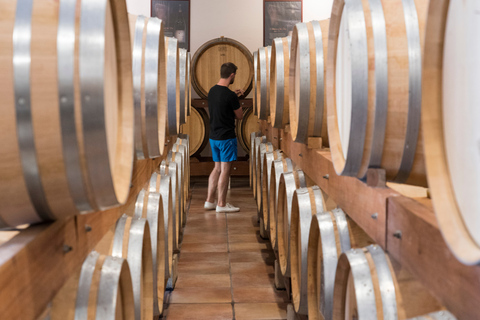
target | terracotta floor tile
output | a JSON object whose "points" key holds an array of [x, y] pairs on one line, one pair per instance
{"points": [[251, 267], [220, 257], [201, 295], [204, 238], [207, 216], [248, 246], [260, 311], [203, 267], [203, 229], [253, 280], [204, 247], [265, 256], [242, 230], [202, 281], [259, 295], [216, 223], [199, 311]]}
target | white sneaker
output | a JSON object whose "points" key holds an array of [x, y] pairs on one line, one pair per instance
{"points": [[228, 208], [210, 205]]}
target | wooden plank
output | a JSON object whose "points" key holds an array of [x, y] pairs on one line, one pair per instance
{"points": [[239, 168], [358, 200], [36, 263], [425, 254]]}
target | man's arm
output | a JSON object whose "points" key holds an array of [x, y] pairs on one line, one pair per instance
{"points": [[238, 113]]}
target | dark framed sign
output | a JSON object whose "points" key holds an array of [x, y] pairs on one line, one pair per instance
{"points": [[279, 18], [175, 15]]}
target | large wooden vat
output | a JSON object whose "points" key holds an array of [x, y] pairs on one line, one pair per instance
{"points": [[308, 112], [279, 82], [245, 127], [149, 84], [374, 77], [198, 130], [67, 109], [450, 111], [102, 289], [208, 59]]}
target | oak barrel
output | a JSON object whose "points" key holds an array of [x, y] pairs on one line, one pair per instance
{"points": [[162, 184], [149, 206], [208, 59], [245, 127], [306, 202], [366, 286], [198, 130], [149, 84], [277, 168], [308, 113], [256, 146], [289, 182], [172, 92], [132, 241], [268, 158], [279, 82], [262, 149], [440, 315], [172, 169], [374, 81], [178, 154], [67, 146], [184, 140], [263, 82], [182, 66], [331, 234], [102, 289], [450, 129], [254, 86]]}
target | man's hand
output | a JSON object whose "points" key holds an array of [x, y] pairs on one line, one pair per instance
{"points": [[240, 93]]}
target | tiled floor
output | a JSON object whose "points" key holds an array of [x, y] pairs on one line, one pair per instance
{"points": [[225, 269]]}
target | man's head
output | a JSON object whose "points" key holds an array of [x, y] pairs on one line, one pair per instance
{"points": [[228, 70]]}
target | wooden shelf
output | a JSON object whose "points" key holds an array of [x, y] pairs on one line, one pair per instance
{"points": [[420, 249], [36, 263]]}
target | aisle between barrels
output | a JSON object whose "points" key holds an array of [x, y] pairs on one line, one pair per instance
{"points": [[225, 270]]}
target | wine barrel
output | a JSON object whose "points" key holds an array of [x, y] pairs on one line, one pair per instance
{"points": [[172, 169], [132, 241], [178, 154], [289, 182], [184, 140], [172, 58], [257, 142], [149, 206], [189, 84], [308, 114], [148, 47], [198, 129], [182, 61], [263, 82], [306, 202], [449, 110], [365, 281], [279, 82], [102, 289], [268, 159], [278, 167], [331, 234], [208, 59], [254, 86], [440, 315], [374, 79], [162, 184], [182, 150], [67, 146], [245, 127], [262, 149], [251, 152]]}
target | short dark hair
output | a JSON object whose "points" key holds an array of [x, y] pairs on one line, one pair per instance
{"points": [[227, 69]]}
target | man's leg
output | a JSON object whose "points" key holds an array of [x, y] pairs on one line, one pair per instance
{"points": [[223, 183], [213, 182]]}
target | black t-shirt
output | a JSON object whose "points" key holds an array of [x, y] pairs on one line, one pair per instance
{"points": [[221, 103]]}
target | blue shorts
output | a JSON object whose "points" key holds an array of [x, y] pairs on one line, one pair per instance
{"points": [[224, 150]]}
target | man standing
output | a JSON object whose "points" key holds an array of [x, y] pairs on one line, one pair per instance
{"points": [[224, 108]]}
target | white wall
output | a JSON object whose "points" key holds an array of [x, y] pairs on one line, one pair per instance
{"points": [[241, 20]]}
